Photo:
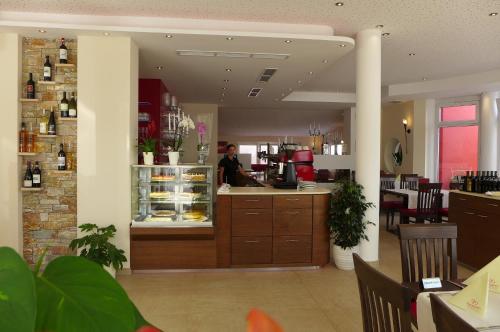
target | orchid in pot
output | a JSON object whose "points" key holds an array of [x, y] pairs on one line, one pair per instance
{"points": [[148, 145], [203, 148], [181, 130]]}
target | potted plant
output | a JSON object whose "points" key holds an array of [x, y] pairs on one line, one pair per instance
{"points": [[181, 130], [203, 148], [148, 145], [346, 223], [96, 247]]}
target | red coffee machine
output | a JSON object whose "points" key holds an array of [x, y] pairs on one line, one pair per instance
{"points": [[303, 160]]}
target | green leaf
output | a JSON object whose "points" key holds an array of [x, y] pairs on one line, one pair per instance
{"points": [[17, 293], [139, 320], [75, 294]]}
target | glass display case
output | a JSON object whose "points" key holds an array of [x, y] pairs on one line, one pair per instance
{"points": [[172, 196]]}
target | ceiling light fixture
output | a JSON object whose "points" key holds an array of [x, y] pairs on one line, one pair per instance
{"points": [[106, 33], [224, 88], [386, 34], [223, 94], [159, 67], [168, 36], [311, 73], [42, 31], [424, 78], [339, 4], [299, 82], [226, 81], [342, 45], [325, 61], [229, 38], [228, 69], [288, 41], [493, 14], [379, 26], [411, 54]]}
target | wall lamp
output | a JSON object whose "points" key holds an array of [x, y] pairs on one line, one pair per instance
{"points": [[407, 131]]}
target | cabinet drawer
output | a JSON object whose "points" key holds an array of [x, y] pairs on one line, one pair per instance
{"points": [[252, 250], [292, 249], [483, 204], [292, 222], [252, 222], [293, 202], [252, 202]]}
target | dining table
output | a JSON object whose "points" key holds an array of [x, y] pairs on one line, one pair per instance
{"points": [[410, 197]]}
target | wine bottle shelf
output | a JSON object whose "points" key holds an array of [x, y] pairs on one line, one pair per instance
{"points": [[47, 82], [27, 153], [46, 136], [26, 100], [30, 189], [67, 119], [65, 65], [62, 172]]}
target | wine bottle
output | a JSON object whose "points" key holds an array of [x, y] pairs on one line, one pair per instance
{"points": [[30, 142], [469, 182], [37, 176], [22, 138], [72, 106], [43, 126], [61, 158], [52, 123], [63, 52], [63, 106], [30, 88], [47, 69], [464, 181], [28, 177]]}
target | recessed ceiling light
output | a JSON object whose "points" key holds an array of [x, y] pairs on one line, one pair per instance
{"points": [[224, 88], [159, 67], [493, 14], [386, 34], [168, 36], [311, 73], [299, 82], [379, 26], [42, 31], [223, 94], [106, 33], [424, 78], [228, 69], [229, 38], [325, 61], [339, 4], [226, 81], [411, 54], [342, 45], [288, 41]]}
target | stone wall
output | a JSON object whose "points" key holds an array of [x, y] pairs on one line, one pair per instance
{"points": [[49, 215]]}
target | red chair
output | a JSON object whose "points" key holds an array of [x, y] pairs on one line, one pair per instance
{"points": [[387, 182], [428, 202]]}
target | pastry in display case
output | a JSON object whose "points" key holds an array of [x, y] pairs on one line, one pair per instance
{"points": [[172, 196]]}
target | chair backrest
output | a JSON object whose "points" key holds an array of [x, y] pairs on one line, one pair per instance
{"points": [[428, 200], [428, 250], [385, 304], [387, 182], [445, 319], [405, 178]]}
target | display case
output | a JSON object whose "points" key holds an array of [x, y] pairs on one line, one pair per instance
{"points": [[172, 196]]}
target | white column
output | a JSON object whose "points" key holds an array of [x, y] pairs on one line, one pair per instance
{"points": [[368, 112], [488, 128], [11, 227], [107, 131]]}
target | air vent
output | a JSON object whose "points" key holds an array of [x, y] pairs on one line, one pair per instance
{"points": [[254, 92], [267, 74], [223, 54]]}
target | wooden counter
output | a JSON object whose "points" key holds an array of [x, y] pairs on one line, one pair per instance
{"points": [[478, 219], [262, 227]]}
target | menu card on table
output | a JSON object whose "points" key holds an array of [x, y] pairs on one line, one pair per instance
{"points": [[474, 298], [493, 269]]}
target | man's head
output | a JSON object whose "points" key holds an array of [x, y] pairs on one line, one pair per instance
{"points": [[230, 150]]}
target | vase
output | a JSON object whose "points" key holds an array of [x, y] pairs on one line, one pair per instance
{"points": [[173, 158], [149, 158], [343, 257], [203, 150]]}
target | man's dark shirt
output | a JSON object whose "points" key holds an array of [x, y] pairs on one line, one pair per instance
{"points": [[230, 169]]}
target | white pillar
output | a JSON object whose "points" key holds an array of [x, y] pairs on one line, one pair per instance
{"points": [[488, 128], [11, 226], [368, 112]]}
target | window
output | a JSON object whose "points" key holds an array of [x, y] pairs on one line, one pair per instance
{"points": [[250, 149], [458, 141], [274, 148]]}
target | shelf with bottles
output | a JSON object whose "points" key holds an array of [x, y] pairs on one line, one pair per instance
{"points": [[47, 82], [30, 189], [65, 65], [29, 100], [46, 136], [68, 119], [26, 154]]}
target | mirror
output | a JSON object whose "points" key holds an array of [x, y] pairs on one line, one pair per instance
{"points": [[392, 151]]}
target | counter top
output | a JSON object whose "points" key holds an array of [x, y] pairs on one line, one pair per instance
{"points": [[475, 194], [273, 191]]}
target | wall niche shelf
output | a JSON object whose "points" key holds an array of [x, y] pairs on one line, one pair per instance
{"points": [[30, 189], [62, 172], [67, 119], [46, 136], [27, 153], [26, 100], [65, 65], [47, 82]]}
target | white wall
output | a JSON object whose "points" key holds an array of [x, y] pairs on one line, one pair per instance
{"points": [[334, 162], [11, 230], [107, 131]]}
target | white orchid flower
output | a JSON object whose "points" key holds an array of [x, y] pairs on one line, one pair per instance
{"points": [[348, 210]]}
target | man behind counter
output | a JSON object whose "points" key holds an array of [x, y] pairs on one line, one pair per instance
{"points": [[230, 167]]}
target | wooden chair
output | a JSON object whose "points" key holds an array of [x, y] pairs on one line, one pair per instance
{"points": [[405, 179], [428, 251], [446, 319], [387, 182], [385, 304], [428, 203]]}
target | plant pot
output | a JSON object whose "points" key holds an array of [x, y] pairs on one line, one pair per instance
{"points": [[111, 270], [149, 158], [173, 158], [343, 258]]}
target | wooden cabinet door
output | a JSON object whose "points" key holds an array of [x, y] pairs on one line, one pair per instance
{"points": [[468, 231], [488, 244], [247, 250]]}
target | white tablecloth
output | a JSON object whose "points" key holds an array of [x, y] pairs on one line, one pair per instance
{"points": [[426, 323], [413, 197]]}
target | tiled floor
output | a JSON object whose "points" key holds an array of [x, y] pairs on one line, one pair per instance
{"points": [[302, 301]]}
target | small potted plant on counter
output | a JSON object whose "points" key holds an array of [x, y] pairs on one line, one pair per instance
{"points": [[96, 247], [148, 145], [181, 125], [346, 223]]}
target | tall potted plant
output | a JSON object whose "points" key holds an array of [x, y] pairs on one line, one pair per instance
{"points": [[148, 145], [181, 130], [347, 223]]}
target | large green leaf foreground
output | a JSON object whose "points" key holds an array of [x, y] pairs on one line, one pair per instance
{"points": [[73, 294]]}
